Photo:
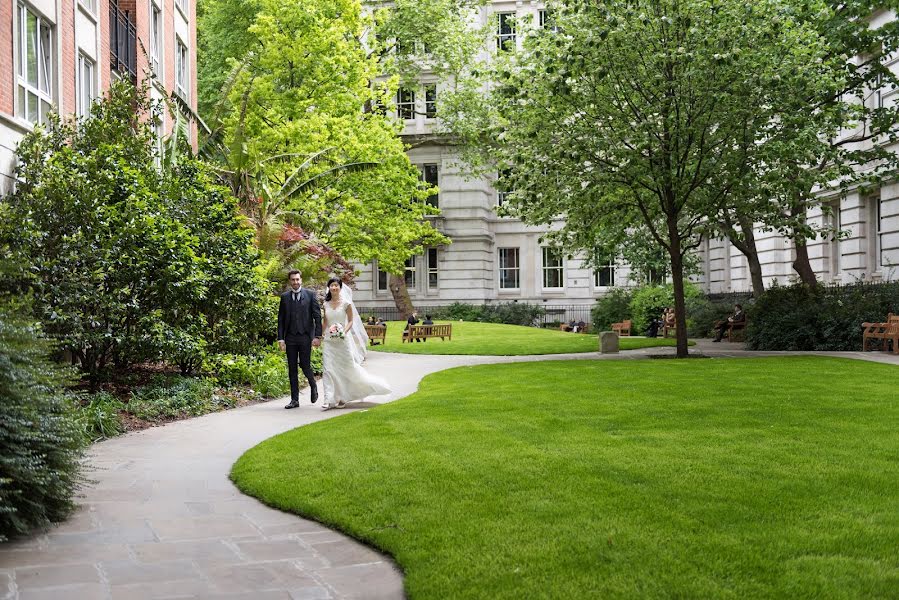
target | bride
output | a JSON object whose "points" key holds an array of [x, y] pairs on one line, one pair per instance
{"points": [[344, 380]]}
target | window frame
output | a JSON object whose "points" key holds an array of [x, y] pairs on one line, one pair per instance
{"points": [[410, 274], [504, 270], [405, 106], [608, 264], [433, 269], [84, 102], [546, 270], [430, 100], [44, 67], [381, 275], [184, 7], [506, 18], [89, 6], [433, 199], [182, 69], [156, 37], [502, 196]]}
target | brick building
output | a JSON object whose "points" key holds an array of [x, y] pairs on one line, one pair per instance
{"points": [[59, 55]]}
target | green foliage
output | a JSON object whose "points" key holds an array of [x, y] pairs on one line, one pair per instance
{"points": [[702, 314], [801, 317], [168, 398], [613, 307], [510, 313], [265, 373], [40, 442], [127, 262], [99, 416], [648, 302]]}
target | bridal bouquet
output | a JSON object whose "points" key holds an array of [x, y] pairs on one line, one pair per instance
{"points": [[335, 332]]}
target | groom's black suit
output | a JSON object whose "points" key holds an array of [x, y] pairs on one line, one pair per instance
{"points": [[299, 320]]}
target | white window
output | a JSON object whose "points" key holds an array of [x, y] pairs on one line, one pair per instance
{"points": [[874, 231], [836, 222], [509, 269], [35, 67], [505, 31], [547, 21], [604, 275], [431, 175], [383, 279], [553, 269], [87, 84], [433, 278], [182, 70], [405, 104], [184, 6], [159, 130], [90, 5], [155, 39], [410, 274], [431, 101]]}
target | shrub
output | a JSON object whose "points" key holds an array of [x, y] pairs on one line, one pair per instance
{"points": [[613, 307], [266, 374], [509, 313], [800, 317], [648, 302], [173, 398], [40, 442], [99, 418]]}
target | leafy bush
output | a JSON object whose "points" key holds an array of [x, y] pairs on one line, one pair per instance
{"points": [[99, 417], [648, 302], [173, 398], [266, 374], [613, 307], [509, 313], [702, 314], [40, 442], [800, 317]]}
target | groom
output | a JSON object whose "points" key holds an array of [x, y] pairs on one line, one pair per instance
{"points": [[299, 329]]}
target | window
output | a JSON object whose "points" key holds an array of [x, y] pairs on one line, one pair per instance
{"points": [[836, 222], [382, 280], [553, 271], [405, 104], [604, 275], [155, 39], [87, 86], [183, 5], [433, 279], [502, 183], [90, 5], [547, 21], [182, 70], [431, 176], [35, 61], [505, 31], [410, 273], [431, 100], [875, 257], [509, 269], [159, 130]]}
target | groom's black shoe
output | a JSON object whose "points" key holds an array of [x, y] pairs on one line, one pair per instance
{"points": [[293, 404], [313, 394]]}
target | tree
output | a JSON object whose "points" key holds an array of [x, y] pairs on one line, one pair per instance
{"points": [[630, 116]]}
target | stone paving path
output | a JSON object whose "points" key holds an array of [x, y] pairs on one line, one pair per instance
{"points": [[162, 520]]}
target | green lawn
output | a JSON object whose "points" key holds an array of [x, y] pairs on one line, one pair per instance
{"points": [[491, 339], [727, 478]]}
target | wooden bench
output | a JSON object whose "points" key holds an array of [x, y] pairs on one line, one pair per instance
{"points": [[623, 328], [669, 326], [736, 327], [418, 332], [585, 328], [376, 333], [883, 332]]}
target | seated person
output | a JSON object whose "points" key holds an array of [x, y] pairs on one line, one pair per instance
{"points": [[653, 329], [722, 326], [381, 322], [427, 320], [570, 326], [410, 322], [579, 326], [371, 320], [668, 317]]}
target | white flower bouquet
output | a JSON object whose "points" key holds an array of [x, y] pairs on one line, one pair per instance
{"points": [[336, 332]]}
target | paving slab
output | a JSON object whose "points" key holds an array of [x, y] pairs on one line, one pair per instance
{"points": [[162, 520]]}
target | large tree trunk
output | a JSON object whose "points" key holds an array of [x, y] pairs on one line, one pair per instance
{"points": [[677, 274], [397, 284], [802, 265], [750, 251]]}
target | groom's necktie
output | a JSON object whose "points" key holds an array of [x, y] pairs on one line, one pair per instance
{"points": [[296, 296]]}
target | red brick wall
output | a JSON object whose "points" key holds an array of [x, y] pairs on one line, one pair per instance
{"points": [[66, 40], [7, 68]]}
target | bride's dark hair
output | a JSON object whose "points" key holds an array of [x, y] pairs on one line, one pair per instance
{"points": [[330, 281]]}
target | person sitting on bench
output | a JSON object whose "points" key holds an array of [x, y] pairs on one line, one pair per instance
{"points": [[722, 326]]}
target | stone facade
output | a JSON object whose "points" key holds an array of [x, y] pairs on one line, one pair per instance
{"points": [[470, 269], [76, 59]]}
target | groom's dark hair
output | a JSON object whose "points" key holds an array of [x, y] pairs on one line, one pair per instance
{"points": [[293, 272]]}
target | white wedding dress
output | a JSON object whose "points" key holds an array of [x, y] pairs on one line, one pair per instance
{"points": [[345, 380]]}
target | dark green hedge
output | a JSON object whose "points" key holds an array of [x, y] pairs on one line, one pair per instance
{"points": [[801, 317], [40, 441], [510, 313]]}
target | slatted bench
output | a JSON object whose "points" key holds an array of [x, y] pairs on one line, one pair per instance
{"points": [[443, 331], [376, 333], [736, 327], [623, 328], [882, 332]]}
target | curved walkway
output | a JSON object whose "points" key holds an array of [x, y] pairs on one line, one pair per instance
{"points": [[162, 520]]}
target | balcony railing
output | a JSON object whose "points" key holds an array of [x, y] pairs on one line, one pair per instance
{"points": [[122, 42]]}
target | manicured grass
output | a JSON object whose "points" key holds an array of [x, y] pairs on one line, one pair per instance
{"points": [[727, 478], [491, 339]]}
